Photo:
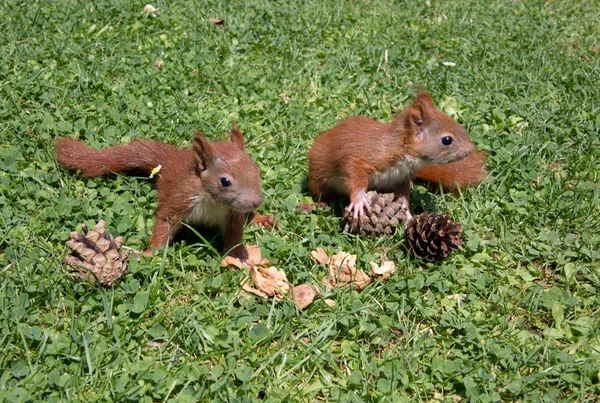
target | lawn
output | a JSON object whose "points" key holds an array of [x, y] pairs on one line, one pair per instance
{"points": [[511, 316]]}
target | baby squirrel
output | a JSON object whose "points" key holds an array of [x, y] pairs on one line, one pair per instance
{"points": [[215, 184], [360, 154]]}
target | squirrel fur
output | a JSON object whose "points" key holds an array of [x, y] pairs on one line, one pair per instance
{"points": [[360, 154], [211, 183]]}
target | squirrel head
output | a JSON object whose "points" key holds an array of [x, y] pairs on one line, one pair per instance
{"points": [[436, 137], [227, 173]]}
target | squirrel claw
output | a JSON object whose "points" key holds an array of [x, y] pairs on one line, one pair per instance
{"points": [[356, 207]]}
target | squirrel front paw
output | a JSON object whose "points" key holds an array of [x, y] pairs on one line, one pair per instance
{"points": [[266, 221], [358, 202]]}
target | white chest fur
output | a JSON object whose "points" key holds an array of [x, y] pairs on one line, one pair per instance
{"points": [[206, 211], [389, 179]]}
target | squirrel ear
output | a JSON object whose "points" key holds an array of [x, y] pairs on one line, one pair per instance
{"points": [[236, 136], [203, 151], [418, 116], [424, 98]]}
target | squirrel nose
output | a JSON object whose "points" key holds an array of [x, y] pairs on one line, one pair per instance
{"points": [[258, 201]]}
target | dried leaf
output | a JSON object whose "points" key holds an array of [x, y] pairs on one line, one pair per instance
{"points": [[268, 282], [254, 255], [303, 295], [384, 271], [254, 258], [320, 256], [230, 261], [217, 21], [247, 287], [341, 270]]}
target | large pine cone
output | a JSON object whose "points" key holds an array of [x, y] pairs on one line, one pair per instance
{"points": [[432, 236], [97, 255], [385, 216]]}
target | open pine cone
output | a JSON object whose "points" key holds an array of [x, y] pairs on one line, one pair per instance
{"points": [[96, 254], [432, 236], [385, 216]]}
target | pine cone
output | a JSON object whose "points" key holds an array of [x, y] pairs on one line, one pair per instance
{"points": [[432, 236], [96, 254], [385, 216]]}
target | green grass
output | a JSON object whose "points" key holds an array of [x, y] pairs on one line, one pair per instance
{"points": [[527, 87]]}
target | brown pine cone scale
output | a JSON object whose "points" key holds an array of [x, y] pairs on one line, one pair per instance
{"points": [[432, 236], [96, 254], [384, 218]]}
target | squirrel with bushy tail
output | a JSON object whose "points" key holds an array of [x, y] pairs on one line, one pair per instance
{"points": [[361, 154]]}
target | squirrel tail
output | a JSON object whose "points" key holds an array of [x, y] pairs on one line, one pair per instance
{"points": [[143, 155], [468, 171]]}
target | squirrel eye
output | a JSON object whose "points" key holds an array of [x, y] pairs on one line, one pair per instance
{"points": [[447, 140], [225, 182]]}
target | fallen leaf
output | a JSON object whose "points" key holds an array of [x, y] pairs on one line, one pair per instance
{"points": [[247, 287], [268, 282], [303, 295], [217, 21], [254, 255], [341, 271], [254, 258], [320, 256], [229, 261], [384, 271]]}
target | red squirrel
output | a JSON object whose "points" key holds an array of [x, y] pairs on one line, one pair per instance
{"points": [[215, 184], [361, 154]]}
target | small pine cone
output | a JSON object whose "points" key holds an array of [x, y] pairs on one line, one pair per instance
{"points": [[432, 236], [96, 255], [385, 216]]}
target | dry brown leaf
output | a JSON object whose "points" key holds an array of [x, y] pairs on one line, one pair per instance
{"points": [[320, 256], [254, 255], [384, 271], [230, 261], [268, 282], [254, 258], [341, 271], [247, 287], [303, 295], [217, 21], [330, 302]]}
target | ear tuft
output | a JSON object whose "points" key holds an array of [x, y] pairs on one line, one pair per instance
{"points": [[236, 136], [203, 151]]}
